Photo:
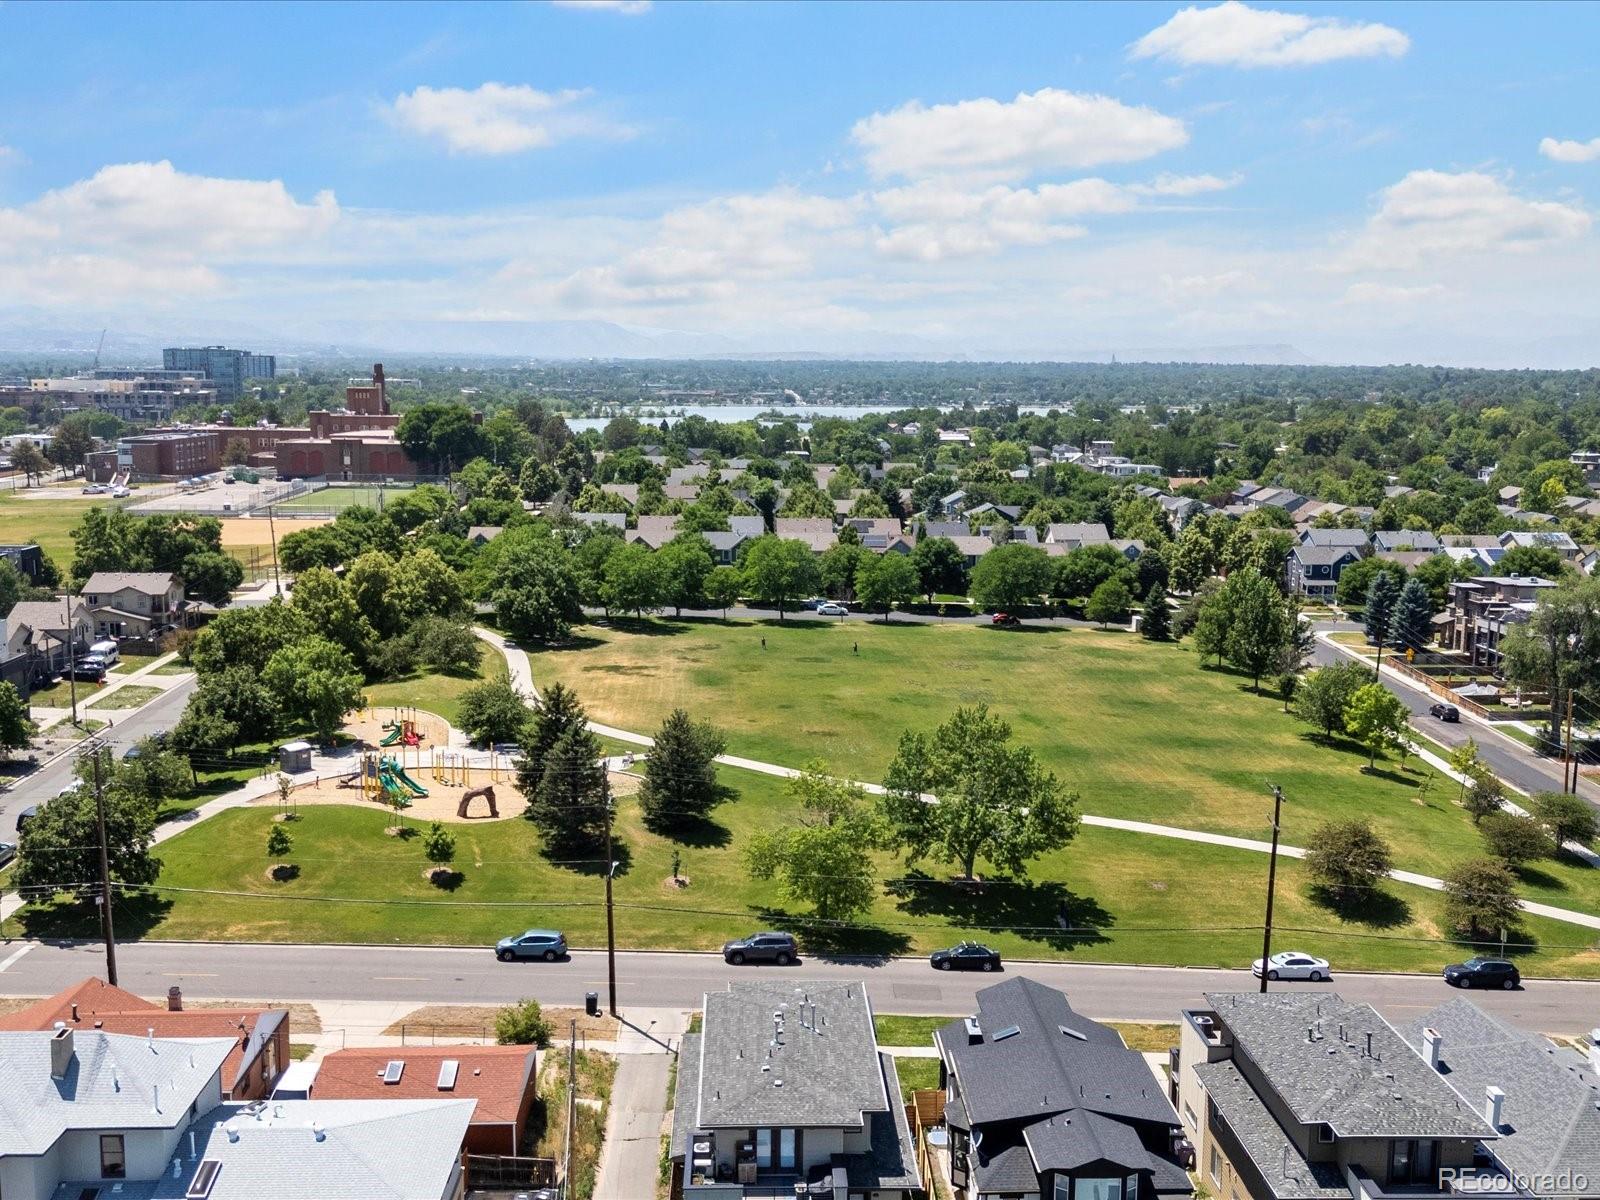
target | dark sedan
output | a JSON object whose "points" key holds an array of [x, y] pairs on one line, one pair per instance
{"points": [[1444, 712], [1483, 973], [966, 956]]}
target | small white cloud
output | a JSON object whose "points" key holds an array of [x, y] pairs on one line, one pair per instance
{"points": [[1233, 34], [1038, 131], [499, 118], [628, 8], [1570, 152], [1186, 185]]}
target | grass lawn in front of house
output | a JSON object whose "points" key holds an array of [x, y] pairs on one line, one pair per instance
{"points": [[129, 696]]}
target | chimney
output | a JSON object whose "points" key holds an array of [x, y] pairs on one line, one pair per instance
{"points": [[74, 1012], [1494, 1104], [1432, 1042], [174, 999], [974, 1033], [177, 1167], [155, 1097], [61, 1053]]}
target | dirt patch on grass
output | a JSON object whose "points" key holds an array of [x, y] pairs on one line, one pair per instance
{"points": [[472, 1020], [248, 531]]}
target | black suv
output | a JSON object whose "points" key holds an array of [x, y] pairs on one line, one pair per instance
{"points": [[1484, 973], [1444, 712], [761, 947]]}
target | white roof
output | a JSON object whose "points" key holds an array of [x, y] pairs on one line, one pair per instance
{"points": [[111, 1083]]}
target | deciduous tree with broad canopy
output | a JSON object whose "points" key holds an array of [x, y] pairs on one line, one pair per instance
{"points": [[825, 858]]}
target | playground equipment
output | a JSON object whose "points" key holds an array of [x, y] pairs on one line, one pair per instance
{"points": [[451, 768], [402, 728], [487, 792], [392, 776]]}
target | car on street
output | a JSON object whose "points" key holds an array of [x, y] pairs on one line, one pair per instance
{"points": [[1005, 619], [94, 489], [761, 947], [545, 944], [1444, 712], [966, 956], [8, 853], [1483, 973], [1293, 964], [831, 609]]}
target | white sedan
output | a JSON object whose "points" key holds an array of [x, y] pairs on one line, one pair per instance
{"points": [[1293, 964], [830, 609]]}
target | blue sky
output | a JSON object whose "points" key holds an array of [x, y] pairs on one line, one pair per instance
{"points": [[1367, 182]]}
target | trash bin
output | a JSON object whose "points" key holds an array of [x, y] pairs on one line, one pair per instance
{"points": [[591, 1003]]}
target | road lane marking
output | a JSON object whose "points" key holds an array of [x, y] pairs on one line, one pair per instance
{"points": [[189, 974], [16, 954], [400, 979]]}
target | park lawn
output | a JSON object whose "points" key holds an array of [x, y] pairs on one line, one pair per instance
{"points": [[1138, 729], [336, 498], [432, 692], [48, 522], [1128, 897], [129, 696]]}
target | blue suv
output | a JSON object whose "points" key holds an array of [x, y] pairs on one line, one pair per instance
{"points": [[546, 944]]}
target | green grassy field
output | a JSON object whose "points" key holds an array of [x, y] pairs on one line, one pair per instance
{"points": [[436, 693], [48, 522], [1140, 730], [1126, 897], [129, 696], [336, 498]]}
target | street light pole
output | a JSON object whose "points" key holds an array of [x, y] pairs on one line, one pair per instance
{"points": [[1272, 884]]}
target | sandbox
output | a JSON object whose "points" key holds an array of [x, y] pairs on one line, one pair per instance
{"points": [[440, 804]]}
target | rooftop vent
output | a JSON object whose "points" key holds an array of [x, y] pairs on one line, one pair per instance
{"points": [[393, 1070], [205, 1178], [974, 1033], [1432, 1041], [1007, 1032], [448, 1070], [1073, 1033]]}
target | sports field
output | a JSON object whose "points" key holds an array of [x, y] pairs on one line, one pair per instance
{"points": [[338, 498]]}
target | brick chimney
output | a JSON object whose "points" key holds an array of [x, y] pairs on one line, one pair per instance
{"points": [[174, 999]]}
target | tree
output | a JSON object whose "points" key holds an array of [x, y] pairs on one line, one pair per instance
{"points": [[211, 576], [1157, 623], [632, 579], [1356, 579], [1480, 894], [60, 843], [1515, 838], [1347, 859], [200, 733], [1010, 576], [16, 730], [330, 608], [884, 580], [1567, 818], [440, 436], [1259, 623], [680, 774], [1325, 693], [30, 460], [1485, 796], [1557, 649], [941, 567], [684, 564], [1378, 617], [1080, 571], [570, 804], [1466, 762], [522, 1024], [72, 440], [1111, 601], [1376, 718], [534, 589], [447, 646], [779, 571], [1543, 561], [994, 798], [279, 843], [439, 845], [825, 859], [315, 681], [557, 713], [1412, 622], [236, 453], [838, 566], [494, 711], [722, 588], [1288, 684], [1211, 625]]}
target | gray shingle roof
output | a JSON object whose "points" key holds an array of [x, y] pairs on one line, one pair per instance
{"points": [[830, 1074], [151, 583], [891, 1164], [111, 1083], [1075, 1139], [1272, 1151], [1084, 533], [1389, 1092], [1550, 1120], [1354, 539], [1002, 1164]]}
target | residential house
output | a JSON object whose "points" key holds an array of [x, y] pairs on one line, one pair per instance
{"points": [[1409, 559], [1314, 571], [972, 547], [725, 545], [503, 1080], [946, 529], [628, 493], [785, 1092], [1340, 539], [1407, 539], [49, 632], [1544, 539], [259, 1036], [138, 604], [687, 492], [953, 504], [654, 532], [748, 527], [1072, 536], [1300, 1095], [816, 532], [1482, 609], [1589, 462], [479, 534], [1044, 1104], [1543, 1099], [1027, 535], [1272, 497], [884, 526], [990, 512]]}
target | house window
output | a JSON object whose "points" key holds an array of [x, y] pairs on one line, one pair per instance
{"points": [[1063, 1187], [1099, 1189], [1214, 1166], [113, 1159], [1130, 1188], [1325, 1134], [1188, 1115]]}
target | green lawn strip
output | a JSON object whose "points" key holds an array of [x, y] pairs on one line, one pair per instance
{"points": [[48, 522], [127, 664], [917, 1075], [1140, 730], [336, 498], [439, 694], [1129, 897], [895, 1030], [300, 1051], [59, 695], [129, 696], [176, 667]]}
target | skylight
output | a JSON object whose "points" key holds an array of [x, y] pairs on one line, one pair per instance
{"points": [[205, 1177], [448, 1070], [1008, 1031], [395, 1068]]}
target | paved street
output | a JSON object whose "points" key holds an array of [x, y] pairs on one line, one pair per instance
{"points": [[473, 976]]}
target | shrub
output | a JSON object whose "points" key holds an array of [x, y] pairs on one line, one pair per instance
{"points": [[522, 1024]]}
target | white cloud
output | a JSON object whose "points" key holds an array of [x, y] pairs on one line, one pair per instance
{"points": [[1234, 34], [1431, 214], [628, 8], [1569, 151], [499, 118], [1038, 131], [936, 222], [1186, 185]]}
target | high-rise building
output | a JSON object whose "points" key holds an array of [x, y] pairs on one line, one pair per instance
{"points": [[228, 369]]}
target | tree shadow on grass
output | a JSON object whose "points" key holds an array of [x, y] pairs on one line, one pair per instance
{"points": [[1404, 775], [704, 834], [648, 626], [1534, 877], [1376, 909], [1045, 912], [589, 858], [1519, 943], [65, 920]]}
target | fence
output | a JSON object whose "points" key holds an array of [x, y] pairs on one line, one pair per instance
{"points": [[926, 1112], [502, 1172]]}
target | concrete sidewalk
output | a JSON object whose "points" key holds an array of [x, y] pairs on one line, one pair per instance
{"points": [[146, 676], [638, 1116]]}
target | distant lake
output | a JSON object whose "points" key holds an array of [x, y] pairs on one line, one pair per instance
{"points": [[749, 412]]}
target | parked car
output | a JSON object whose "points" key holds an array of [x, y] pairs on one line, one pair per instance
{"points": [[1004, 619], [1444, 712], [95, 489], [120, 493], [26, 815], [546, 944], [966, 956], [831, 609], [1483, 973], [761, 947], [1293, 964], [89, 667], [8, 852]]}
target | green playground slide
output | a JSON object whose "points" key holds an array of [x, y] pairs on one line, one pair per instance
{"points": [[393, 774], [393, 736]]}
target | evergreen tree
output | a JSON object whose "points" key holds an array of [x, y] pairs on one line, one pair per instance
{"points": [[569, 804], [1157, 623], [559, 713], [1382, 596], [1412, 622], [680, 774]]}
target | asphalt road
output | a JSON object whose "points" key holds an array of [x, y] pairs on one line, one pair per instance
{"points": [[648, 980], [160, 714]]}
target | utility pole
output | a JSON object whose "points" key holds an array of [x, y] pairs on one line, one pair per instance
{"points": [[272, 532], [72, 660], [572, 1109], [1272, 884], [611, 926], [1572, 756], [106, 928]]}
